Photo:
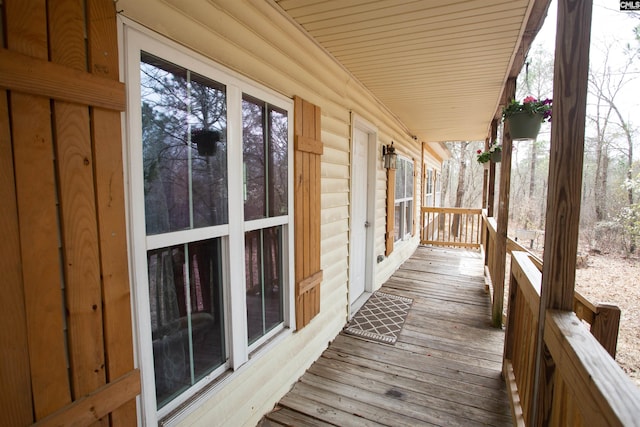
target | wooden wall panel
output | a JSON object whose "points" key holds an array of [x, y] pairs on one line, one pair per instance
{"points": [[15, 393], [26, 28]]}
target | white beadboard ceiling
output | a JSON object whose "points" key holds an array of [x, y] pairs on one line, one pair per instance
{"points": [[438, 65]]}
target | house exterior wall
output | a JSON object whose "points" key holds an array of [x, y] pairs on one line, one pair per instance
{"points": [[254, 40]]}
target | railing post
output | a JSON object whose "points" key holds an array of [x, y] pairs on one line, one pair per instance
{"points": [[605, 326], [486, 237]]}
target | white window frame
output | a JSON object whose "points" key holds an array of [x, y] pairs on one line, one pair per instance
{"points": [[133, 40]]}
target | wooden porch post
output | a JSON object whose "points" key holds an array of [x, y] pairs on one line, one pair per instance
{"points": [[565, 184], [488, 196], [503, 216], [485, 178]]}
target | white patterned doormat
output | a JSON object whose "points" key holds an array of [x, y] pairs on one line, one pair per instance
{"points": [[381, 318]]}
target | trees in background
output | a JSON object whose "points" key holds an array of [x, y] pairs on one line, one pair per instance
{"points": [[610, 216]]}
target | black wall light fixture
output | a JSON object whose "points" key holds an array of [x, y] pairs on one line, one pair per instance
{"points": [[389, 156]]}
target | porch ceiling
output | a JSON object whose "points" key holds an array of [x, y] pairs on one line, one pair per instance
{"points": [[438, 65]]}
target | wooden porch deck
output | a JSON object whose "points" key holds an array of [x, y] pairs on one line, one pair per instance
{"points": [[443, 370]]}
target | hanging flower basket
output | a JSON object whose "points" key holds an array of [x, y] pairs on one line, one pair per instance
{"points": [[205, 140], [493, 154], [525, 118], [523, 125], [496, 156]]}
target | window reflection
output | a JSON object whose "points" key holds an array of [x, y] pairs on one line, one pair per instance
{"points": [[184, 148], [403, 214], [187, 321], [265, 159], [264, 281], [278, 162]]}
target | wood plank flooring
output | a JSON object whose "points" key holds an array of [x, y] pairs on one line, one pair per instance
{"points": [[444, 369]]}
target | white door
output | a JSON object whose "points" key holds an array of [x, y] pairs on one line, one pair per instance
{"points": [[359, 223]]}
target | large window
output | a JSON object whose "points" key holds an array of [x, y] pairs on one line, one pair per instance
{"points": [[211, 203], [185, 187], [403, 227]]}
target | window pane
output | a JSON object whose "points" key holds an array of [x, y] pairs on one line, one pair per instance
{"points": [[253, 139], [400, 179], [264, 281], [184, 153], [209, 152], [397, 216], [408, 180], [409, 217], [265, 155], [278, 162], [187, 321]]}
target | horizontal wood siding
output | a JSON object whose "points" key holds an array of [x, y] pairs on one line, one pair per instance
{"points": [[259, 43]]}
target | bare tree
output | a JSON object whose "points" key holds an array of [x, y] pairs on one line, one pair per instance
{"points": [[462, 173], [605, 85], [537, 81]]}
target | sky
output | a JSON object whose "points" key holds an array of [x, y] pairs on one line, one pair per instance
{"points": [[608, 24]]}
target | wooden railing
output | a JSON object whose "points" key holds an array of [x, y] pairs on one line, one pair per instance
{"points": [[587, 387], [458, 227], [603, 318], [464, 227]]}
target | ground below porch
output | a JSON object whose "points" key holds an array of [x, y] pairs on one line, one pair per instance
{"points": [[444, 368]]}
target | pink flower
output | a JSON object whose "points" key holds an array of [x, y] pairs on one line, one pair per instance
{"points": [[479, 152], [529, 99]]}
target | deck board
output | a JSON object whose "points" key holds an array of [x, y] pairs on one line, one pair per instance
{"points": [[443, 370]]}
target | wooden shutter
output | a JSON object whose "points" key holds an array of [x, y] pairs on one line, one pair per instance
{"points": [[391, 202], [66, 321], [308, 149], [415, 199]]}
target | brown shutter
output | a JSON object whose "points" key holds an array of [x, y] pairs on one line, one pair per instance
{"points": [[69, 357], [308, 149], [415, 198], [391, 201]]}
